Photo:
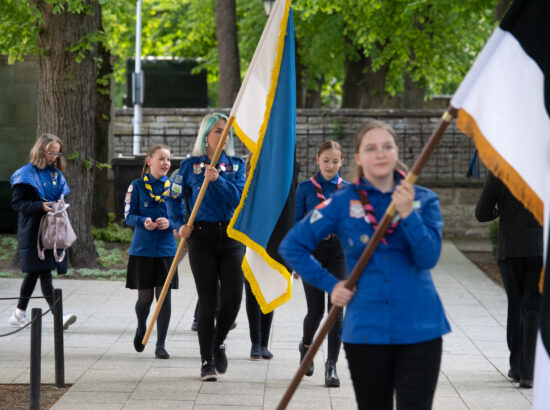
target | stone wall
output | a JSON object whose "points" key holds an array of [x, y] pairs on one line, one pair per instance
{"points": [[444, 172]]}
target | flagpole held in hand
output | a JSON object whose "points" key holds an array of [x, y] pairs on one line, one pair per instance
{"points": [[365, 256], [190, 222]]}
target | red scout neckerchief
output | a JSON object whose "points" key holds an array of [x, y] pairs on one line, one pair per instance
{"points": [[364, 198], [319, 190]]}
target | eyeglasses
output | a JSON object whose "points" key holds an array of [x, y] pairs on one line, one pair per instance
{"points": [[54, 154]]}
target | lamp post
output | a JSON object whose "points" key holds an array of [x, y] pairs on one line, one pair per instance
{"points": [[268, 5], [137, 85]]}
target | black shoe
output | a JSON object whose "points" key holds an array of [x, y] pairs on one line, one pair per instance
{"points": [[513, 376], [266, 354], [331, 378], [195, 326], [220, 359], [526, 383], [256, 352], [303, 350], [137, 341], [233, 326], [208, 373], [161, 353]]}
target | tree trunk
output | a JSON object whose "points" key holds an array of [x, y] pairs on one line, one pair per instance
{"points": [[228, 51], [413, 91], [373, 90], [103, 117], [66, 107]]}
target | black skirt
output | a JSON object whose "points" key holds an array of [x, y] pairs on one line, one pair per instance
{"points": [[147, 273]]}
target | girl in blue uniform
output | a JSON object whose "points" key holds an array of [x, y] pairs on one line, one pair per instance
{"points": [[213, 256], [149, 208], [329, 253], [35, 186], [394, 318]]}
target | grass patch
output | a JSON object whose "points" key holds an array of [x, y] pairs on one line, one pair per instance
{"points": [[8, 246]]}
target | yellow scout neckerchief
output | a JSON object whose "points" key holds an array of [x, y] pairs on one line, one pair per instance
{"points": [[149, 188]]}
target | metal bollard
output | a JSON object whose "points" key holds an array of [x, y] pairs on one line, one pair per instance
{"points": [[36, 353], [58, 338]]}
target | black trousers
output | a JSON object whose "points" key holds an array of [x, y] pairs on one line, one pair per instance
{"points": [[521, 278], [330, 254], [411, 370], [29, 283], [214, 257], [259, 323]]}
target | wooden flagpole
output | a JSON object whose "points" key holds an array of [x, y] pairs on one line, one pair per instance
{"points": [[365, 256], [190, 222]]}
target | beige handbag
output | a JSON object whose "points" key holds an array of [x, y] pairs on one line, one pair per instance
{"points": [[55, 231]]}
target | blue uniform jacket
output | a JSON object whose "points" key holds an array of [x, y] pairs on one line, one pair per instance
{"points": [[31, 187], [138, 206], [221, 197], [306, 195], [49, 182], [396, 301]]}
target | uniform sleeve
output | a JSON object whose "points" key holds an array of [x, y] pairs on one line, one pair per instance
{"points": [[423, 230], [300, 202], [131, 207], [65, 190], [175, 216], [486, 208], [231, 191], [298, 245], [21, 200]]}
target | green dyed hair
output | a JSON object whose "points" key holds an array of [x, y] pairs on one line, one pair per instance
{"points": [[207, 124]]}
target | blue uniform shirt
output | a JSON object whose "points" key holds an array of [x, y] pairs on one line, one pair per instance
{"points": [[396, 301], [306, 195], [221, 197], [138, 206], [48, 182]]}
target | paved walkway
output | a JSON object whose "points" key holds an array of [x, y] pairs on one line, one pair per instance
{"points": [[106, 372]]}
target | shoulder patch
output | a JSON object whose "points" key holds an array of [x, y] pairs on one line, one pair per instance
{"points": [[178, 179], [356, 209], [315, 216], [130, 188], [128, 197]]}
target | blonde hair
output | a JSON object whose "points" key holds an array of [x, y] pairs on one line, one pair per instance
{"points": [[150, 152], [37, 156], [365, 128], [207, 124]]}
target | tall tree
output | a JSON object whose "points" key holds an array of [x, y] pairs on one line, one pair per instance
{"points": [[67, 102], [228, 51]]}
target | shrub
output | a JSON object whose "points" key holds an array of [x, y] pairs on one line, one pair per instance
{"points": [[8, 246], [113, 232]]}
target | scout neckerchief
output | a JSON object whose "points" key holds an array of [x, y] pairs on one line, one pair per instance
{"points": [[319, 190], [364, 198], [149, 188]]}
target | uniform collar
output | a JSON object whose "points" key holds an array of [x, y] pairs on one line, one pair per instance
{"points": [[333, 180], [364, 183]]}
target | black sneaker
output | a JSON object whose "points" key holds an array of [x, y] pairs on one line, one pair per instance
{"points": [[161, 353], [208, 373], [256, 352], [220, 359], [266, 354]]}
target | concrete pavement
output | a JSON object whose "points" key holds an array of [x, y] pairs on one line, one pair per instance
{"points": [[107, 373]]}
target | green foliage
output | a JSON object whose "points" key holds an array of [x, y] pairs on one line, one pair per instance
{"points": [[8, 246], [99, 274], [113, 232], [493, 235], [108, 257]]}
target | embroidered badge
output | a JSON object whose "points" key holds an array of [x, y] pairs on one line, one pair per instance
{"points": [[236, 167], [364, 238], [323, 204], [176, 189], [315, 216], [146, 204], [54, 183], [127, 208], [356, 209], [350, 242], [130, 188], [128, 197], [178, 179], [197, 168], [53, 175]]}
